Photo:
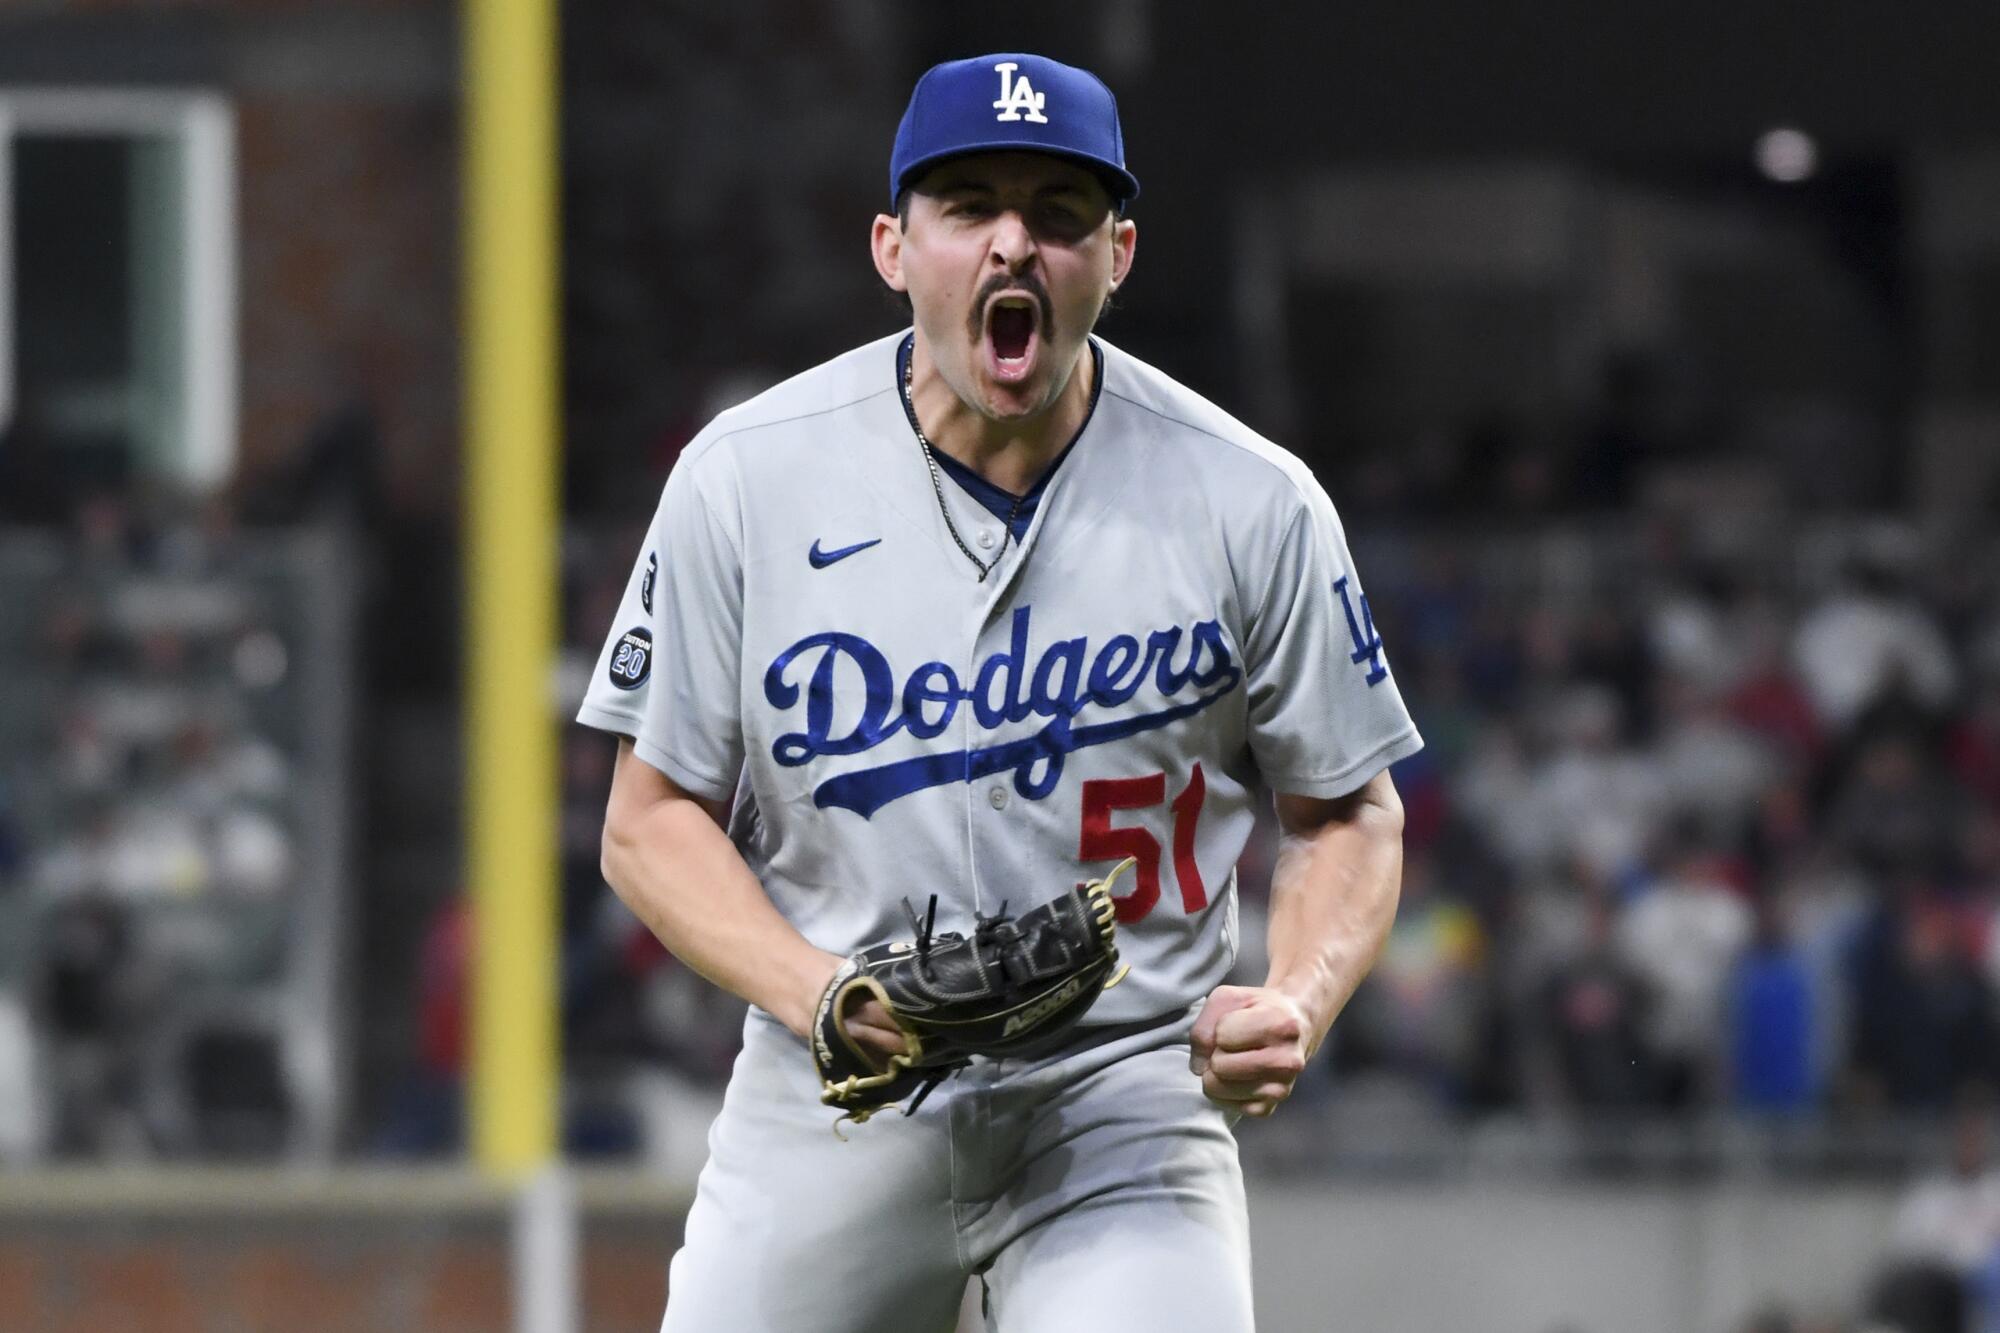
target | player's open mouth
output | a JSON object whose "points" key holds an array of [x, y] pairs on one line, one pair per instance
{"points": [[1012, 332]]}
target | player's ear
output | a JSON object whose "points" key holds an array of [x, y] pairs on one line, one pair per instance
{"points": [[886, 243], [1124, 238]]}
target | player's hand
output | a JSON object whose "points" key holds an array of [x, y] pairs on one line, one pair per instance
{"points": [[867, 1021], [870, 1026], [1249, 1044]]}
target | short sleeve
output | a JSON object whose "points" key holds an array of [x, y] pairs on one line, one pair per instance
{"points": [[668, 672], [1325, 713]]}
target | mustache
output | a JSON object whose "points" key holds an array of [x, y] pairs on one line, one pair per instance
{"points": [[1026, 283]]}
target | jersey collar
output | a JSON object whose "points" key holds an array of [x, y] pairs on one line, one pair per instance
{"points": [[999, 501]]}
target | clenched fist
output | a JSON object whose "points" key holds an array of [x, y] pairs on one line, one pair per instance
{"points": [[1249, 1046]]}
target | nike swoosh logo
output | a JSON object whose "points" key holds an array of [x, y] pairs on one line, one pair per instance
{"points": [[821, 559]]}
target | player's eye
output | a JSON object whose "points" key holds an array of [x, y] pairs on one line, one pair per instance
{"points": [[1064, 219]]}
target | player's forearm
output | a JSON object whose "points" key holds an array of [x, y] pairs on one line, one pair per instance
{"points": [[1333, 897], [681, 875]]}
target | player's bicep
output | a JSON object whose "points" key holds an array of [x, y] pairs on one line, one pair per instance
{"points": [[637, 788], [1375, 804]]}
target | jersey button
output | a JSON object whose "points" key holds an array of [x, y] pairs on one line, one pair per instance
{"points": [[997, 798], [985, 538]]}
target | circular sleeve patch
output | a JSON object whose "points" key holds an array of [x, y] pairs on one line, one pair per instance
{"points": [[632, 659]]}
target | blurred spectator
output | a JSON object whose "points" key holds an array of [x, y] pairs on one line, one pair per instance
{"points": [[1923, 1014], [1829, 905], [1690, 635], [1425, 1005], [21, 1094], [1951, 1217], [1866, 636], [1682, 936], [1979, 848], [426, 1113], [1895, 814], [1593, 1010], [1945, 1237], [1490, 789], [1780, 838], [1767, 699], [1608, 649], [1772, 1043], [84, 1009], [1974, 745], [1595, 796], [1708, 765]]}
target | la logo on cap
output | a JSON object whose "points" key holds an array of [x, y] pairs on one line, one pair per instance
{"points": [[1017, 96]]}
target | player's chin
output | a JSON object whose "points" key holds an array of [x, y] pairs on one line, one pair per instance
{"points": [[1015, 401]]}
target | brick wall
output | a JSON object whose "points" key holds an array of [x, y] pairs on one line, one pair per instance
{"points": [[398, 1275], [349, 279], [346, 115]]}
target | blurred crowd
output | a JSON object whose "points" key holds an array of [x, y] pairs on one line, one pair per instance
{"points": [[1696, 830], [1693, 830], [1708, 822], [149, 842], [1701, 825]]}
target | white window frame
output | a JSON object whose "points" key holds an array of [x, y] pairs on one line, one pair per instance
{"points": [[205, 126]]}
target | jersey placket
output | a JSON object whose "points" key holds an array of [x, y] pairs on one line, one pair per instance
{"points": [[983, 797], [991, 803]]}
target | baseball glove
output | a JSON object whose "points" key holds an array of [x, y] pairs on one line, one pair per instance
{"points": [[1012, 988]]}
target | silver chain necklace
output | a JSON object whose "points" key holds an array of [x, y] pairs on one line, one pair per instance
{"points": [[937, 485]]}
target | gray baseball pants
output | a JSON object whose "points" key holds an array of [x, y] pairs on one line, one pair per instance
{"points": [[1094, 1191]]}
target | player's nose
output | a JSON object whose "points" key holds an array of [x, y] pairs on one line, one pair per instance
{"points": [[1013, 242]]}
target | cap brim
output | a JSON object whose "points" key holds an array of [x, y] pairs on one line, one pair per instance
{"points": [[1120, 184]]}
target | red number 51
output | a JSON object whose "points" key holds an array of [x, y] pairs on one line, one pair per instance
{"points": [[1100, 841]]}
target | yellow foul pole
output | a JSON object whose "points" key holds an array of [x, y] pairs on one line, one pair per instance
{"points": [[509, 220]]}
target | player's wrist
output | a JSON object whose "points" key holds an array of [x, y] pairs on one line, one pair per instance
{"points": [[798, 1006], [1307, 1000]]}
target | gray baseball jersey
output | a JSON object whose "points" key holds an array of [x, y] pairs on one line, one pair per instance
{"points": [[1180, 624]]}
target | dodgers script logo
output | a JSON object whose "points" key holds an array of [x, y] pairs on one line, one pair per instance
{"points": [[1008, 688], [1018, 95]]}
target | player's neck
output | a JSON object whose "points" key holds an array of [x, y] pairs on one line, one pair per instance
{"points": [[1012, 454]]}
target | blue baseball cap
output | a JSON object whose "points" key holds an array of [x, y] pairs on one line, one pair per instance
{"points": [[1011, 101]]}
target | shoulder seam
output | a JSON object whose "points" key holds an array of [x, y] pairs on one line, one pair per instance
{"points": [[714, 440], [1277, 564], [708, 446], [1110, 392], [1304, 511]]}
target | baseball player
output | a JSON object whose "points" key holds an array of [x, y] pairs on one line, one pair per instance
{"points": [[981, 610]]}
